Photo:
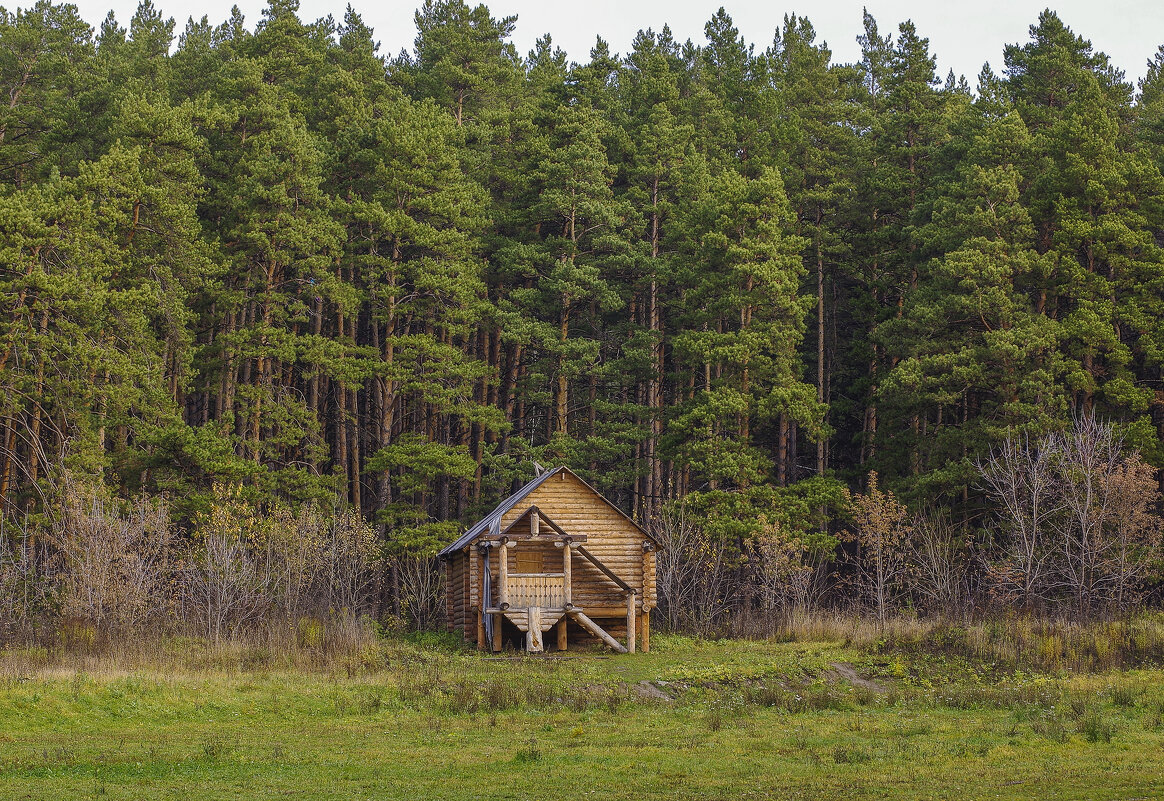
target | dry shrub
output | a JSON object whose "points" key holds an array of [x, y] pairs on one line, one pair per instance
{"points": [[880, 530], [115, 564], [283, 567]]}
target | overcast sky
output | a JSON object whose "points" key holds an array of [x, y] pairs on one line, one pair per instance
{"points": [[963, 34]]}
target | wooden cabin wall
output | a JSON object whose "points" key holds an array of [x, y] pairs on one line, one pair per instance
{"points": [[468, 616], [450, 596], [456, 607]]}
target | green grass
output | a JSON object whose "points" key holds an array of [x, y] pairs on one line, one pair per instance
{"points": [[411, 720]]}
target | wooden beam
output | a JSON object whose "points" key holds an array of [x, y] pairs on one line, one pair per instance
{"points": [[630, 622], [596, 630], [606, 571], [497, 619], [645, 630], [545, 518], [504, 535], [563, 643], [534, 524]]}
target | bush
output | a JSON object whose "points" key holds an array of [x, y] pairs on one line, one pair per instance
{"points": [[1096, 728]]}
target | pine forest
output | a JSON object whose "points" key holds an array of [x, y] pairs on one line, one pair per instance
{"points": [[281, 314]]}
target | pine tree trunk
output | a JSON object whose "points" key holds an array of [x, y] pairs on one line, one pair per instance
{"points": [[562, 407], [820, 351]]}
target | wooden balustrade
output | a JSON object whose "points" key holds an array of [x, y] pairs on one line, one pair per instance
{"points": [[543, 590]]}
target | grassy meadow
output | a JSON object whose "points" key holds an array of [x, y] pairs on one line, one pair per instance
{"points": [[827, 715]]}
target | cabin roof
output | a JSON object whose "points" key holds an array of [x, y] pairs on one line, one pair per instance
{"points": [[491, 523]]}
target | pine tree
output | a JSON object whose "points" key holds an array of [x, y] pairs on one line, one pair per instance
{"points": [[1087, 193], [975, 361], [745, 322], [814, 131]]}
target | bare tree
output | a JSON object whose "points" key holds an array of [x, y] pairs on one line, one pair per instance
{"points": [[693, 569], [937, 564], [1088, 453], [1022, 478]]}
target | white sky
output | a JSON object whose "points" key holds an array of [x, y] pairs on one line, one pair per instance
{"points": [[962, 34]]}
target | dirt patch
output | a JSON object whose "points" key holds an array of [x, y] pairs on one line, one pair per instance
{"points": [[848, 673], [647, 689]]}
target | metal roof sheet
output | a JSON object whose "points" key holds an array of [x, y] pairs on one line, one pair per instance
{"points": [[492, 521]]}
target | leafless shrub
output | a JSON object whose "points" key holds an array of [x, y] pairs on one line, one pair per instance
{"points": [[23, 587], [421, 588], [693, 571], [350, 562], [937, 564], [783, 579], [226, 585]]}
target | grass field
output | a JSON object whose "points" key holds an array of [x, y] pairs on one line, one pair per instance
{"points": [[691, 720]]}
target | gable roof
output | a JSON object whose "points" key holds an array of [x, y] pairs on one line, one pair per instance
{"points": [[491, 523]]}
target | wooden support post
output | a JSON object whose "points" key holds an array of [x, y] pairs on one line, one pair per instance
{"points": [[645, 630], [648, 575], [503, 575], [482, 601], [533, 637], [596, 630], [567, 575], [497, 619], [535, 527], [630, 622], [563, 644]]}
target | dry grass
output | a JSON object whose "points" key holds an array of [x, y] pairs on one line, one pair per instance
{"points": [[1016, 641], [311, 645]]}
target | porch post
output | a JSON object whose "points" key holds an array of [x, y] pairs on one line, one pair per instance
{"points": [[503, 575], [630, 621]]}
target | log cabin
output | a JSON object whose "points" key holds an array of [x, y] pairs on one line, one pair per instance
{"points": [[554, 556]]}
